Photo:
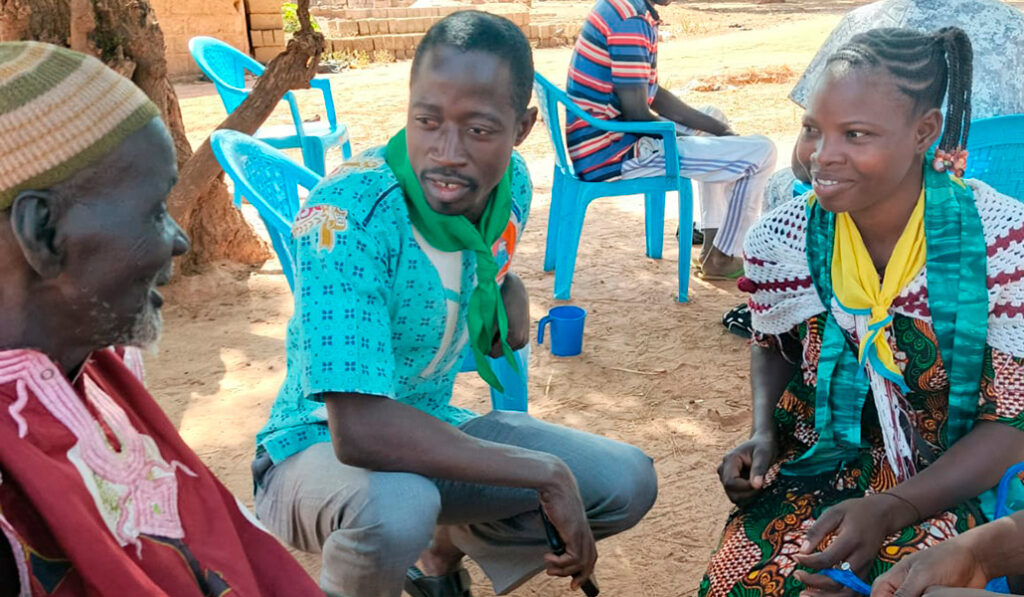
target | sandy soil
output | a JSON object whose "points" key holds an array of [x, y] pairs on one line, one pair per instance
{"points": [[656, 373]]}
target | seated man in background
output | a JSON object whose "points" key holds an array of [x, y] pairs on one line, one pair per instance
{"points": [[99, 495], [363, 458], [614, 76]]}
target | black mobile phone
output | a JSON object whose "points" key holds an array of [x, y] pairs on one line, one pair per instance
{"points": [[589, 587]]}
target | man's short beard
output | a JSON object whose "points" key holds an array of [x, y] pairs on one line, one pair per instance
{"points": [[146, 329]]}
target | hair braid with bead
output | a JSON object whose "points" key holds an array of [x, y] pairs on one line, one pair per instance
{"points": [[927, 67]]}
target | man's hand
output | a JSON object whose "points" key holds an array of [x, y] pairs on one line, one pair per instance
{"points": [[517, 309], [860, 527], [725, 131], [951, 563], [564, 508], [743, 469]]}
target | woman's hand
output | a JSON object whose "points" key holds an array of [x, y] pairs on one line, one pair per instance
{"points": [[951, 563], [743, 469], [860, 527], [956, 592]]}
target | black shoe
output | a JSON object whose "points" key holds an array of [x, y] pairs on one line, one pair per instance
{"points": [[698, 236], [737, 320]]}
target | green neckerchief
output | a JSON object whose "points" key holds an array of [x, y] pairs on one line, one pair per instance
{"points": [[955, 268], [457, 233]]}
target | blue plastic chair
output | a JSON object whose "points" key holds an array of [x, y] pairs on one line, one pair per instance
{"points": [[271, 181], [570, 195], [226, 67], [996, 147]]}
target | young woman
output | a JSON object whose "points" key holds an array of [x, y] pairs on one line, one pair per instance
{"points": [[886, 368]]}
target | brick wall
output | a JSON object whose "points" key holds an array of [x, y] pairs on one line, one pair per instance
{"points": [[399, 30], [182, 20], [266, 29]]}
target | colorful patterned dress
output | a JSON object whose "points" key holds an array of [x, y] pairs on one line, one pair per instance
{"points": [[755, 555]]}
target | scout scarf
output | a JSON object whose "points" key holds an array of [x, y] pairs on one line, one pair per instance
{"points": [[856, 289], [457, 233], [955, 262]]}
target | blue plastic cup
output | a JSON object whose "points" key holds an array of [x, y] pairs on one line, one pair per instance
{"points": [[566, 330]]}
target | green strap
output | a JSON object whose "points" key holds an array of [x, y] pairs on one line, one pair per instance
{"points": [[958, 302], [837, 422], [457, 233], [957, 292]]}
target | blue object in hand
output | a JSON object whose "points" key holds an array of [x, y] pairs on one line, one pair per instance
{"points": [[566, 330], [847, 578]]}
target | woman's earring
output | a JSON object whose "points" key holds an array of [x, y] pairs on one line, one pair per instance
{"points": [[954, 161]]}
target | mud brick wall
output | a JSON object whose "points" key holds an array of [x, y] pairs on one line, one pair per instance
{"points": [[182, 20], [266, 29], [398, 30]]}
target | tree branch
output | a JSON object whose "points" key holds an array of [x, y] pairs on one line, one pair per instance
{"points": [[292, 69]]}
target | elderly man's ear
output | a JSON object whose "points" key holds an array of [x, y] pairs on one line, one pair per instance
{"points": [[34, 216]]}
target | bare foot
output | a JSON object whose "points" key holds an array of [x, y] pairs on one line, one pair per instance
{"points": [[718, 264], [707, 245], [442, 557]]}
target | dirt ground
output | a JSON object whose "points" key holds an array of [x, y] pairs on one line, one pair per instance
{"points": [[656, 373]]}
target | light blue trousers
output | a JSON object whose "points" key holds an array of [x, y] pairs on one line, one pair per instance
{"points": [[371, 526]]}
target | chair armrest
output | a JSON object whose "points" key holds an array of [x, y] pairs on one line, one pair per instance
{"points": [[306, 178], [324, 85], [664, 129], [293, 106]]}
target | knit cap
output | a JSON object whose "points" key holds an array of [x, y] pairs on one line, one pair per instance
{"points": [[60, 111]]}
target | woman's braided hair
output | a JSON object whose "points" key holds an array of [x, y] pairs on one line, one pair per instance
{"points": [[927, 67]]}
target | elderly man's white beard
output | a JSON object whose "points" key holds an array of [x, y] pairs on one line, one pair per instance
{"points": [[146, 330]]}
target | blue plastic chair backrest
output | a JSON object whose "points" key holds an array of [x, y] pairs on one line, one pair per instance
{"points": [[226, 67], [548, 97], [996, 147], [270, 181]]}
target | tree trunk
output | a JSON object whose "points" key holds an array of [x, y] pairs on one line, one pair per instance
{"points": [[292, 69], [41, 20], [217, 230], [126, 36]]}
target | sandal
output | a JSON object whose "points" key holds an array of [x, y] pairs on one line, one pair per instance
{"points": [[455, 584], [736, 275], [737, 320]]}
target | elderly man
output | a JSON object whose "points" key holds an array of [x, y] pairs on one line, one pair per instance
{"points": [[98, 493], [394, 275]]}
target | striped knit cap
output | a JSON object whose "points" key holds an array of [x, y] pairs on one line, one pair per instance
{"points": [[60, 111]]}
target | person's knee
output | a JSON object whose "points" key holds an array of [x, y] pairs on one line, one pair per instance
{"points": [[716, 113], [397, 517], [636, 487]]}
